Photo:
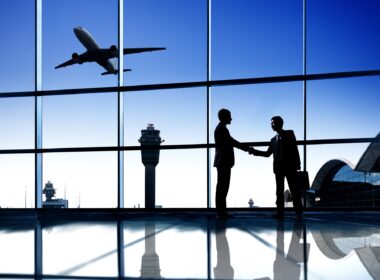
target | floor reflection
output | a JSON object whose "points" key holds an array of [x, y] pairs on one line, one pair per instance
{"points": [[223, 269], [150, 263], [287, 266], [248, 246]]}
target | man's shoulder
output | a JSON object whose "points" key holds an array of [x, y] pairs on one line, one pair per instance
{"points": [[288, 132], [220, 127]]}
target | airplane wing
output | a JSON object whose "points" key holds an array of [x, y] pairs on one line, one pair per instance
{"points": [[140, 50], [67, 63]]}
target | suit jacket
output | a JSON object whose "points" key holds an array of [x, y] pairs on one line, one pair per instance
{"points": [[224, 147], [284, 150]]}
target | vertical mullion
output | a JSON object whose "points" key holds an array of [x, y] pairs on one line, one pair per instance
{"points": [[208, 102], [38, 104], [304, 87], [38, 136], [120, 131], [120, 141]]}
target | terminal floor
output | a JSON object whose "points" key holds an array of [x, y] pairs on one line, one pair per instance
{"points": [[189, 245]]}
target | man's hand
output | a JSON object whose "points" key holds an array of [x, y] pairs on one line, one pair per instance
{"points": [[251, 151]]}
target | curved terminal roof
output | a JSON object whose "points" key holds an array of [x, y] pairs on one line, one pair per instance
{"points": [[327, 172], [370, 160]]}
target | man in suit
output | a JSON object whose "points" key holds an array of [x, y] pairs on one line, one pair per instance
{"points": [[224, 160], [286, 162]]}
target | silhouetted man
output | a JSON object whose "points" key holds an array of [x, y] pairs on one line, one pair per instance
{"points": [[286, 162], [224, 160]]}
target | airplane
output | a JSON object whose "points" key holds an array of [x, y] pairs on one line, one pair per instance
{"points": [[99, 55]]}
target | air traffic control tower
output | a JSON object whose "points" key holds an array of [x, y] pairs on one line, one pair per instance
{"points": [[149, 139]]}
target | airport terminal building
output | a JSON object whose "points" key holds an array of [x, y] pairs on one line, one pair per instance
{"points": [[340, 184]]}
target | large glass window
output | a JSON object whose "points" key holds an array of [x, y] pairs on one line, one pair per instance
{"points": [[343, 108], [179, 115], [342, 35], [17, 123], [178, 26], [168, 42], [64, 39], [86, 180], [180, 173], [17, 181], [80, 120], [256, 38], [17, 45]]}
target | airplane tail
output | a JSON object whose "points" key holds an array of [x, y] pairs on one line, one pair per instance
{"points": [[114, 72]]}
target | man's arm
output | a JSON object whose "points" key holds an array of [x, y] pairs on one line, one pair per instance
{"points": [[267, 153], [239, 145]]}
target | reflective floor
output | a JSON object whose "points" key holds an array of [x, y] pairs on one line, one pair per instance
{"points": [[190, 245]]}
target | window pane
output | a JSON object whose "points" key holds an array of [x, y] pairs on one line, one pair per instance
{"points": [[151, 23], [61, 44], [256, 38], [251, 178], [96, 243], [343, 108], [179, 114], [342, 35], [86, 180], [253, 106], [17, 48], [17, 123], [180, 173], [17, 181], [80, 120]]}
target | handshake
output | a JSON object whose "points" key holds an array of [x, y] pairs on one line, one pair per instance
{"points": [[251, 151]]}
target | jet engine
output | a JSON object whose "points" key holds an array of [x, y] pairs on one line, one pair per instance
{"points": [[75, 57], [113, 50]]}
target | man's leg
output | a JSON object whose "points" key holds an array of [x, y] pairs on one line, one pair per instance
{"points": [[222, 186], [280, 181], [297, 202]]}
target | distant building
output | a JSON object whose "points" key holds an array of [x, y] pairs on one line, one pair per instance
{"points": [[50, 202], [339, 183]]}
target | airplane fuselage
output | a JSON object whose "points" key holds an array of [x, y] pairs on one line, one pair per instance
{"points": [[92, 48]]}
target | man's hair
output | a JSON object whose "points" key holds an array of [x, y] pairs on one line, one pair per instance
{"points": [[278, 120], [224, 114]]}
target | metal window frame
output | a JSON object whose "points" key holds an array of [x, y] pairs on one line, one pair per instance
{"points": [[121, 89]]}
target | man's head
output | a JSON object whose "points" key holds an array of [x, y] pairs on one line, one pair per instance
{"points": [[224, 116], [277, 122]]}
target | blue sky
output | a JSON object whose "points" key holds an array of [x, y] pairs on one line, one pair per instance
{"points": [[248, 39]]}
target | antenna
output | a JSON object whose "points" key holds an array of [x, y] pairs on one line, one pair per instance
{"points": [[25, 196], [79, 200]]}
